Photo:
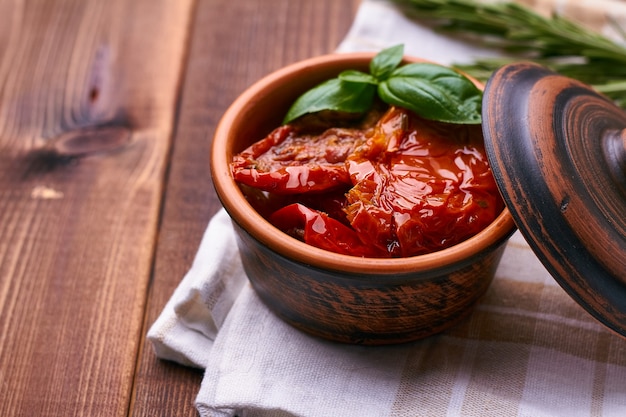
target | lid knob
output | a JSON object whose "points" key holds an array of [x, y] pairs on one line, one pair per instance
{"points": [[615, 155]]}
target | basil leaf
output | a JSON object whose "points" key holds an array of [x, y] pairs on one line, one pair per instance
{"points": [[387, 60], [358, 77], [334, 94], [433, 92]]}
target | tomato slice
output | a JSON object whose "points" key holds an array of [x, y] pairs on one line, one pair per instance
{"points": [[290, 162], [318, 229], [419, 188], [402, 187]]}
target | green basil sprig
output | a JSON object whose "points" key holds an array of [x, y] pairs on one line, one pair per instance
{"points": [[432, 91]]}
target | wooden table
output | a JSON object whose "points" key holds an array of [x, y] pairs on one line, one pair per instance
{"points": [[107, 109]]}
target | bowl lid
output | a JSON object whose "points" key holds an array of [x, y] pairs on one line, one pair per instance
{"points": [[558, 152]]}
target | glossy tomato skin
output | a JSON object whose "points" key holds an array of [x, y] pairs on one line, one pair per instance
{"points": [[421, 186], [318, 229], [403, 187], [288, 161]]}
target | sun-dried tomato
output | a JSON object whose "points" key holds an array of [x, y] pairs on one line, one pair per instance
{"points": [[290, 162], [405, 187]]}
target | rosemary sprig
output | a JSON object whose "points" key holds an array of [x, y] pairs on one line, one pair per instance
{"points": [[556, 42]]}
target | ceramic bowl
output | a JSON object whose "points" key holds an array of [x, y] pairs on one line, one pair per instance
{"points": [[340, 297]]}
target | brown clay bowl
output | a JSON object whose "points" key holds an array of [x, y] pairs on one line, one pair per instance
{"points": [[341, 297]]}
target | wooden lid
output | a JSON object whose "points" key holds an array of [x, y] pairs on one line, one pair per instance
{"points": [[558, 152]]}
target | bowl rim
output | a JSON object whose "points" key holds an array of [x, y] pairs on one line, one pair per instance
{"points": [[242, 213]]}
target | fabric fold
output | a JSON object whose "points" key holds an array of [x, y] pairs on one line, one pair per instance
{"points": [[184, 332]]}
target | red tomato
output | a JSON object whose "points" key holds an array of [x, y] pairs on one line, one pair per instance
{"points": [[288, 162], [426, 190], [320, 230], [406, 187]]}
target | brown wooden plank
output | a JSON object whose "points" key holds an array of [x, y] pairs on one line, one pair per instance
{"points": [[234, 43], [88, 91]]}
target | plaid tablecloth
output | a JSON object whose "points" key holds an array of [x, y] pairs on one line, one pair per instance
{"points": [[526, 350]]}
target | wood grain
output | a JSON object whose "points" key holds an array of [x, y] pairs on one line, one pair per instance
{"points": [[88, 93], [106, 115], [234, 43]]}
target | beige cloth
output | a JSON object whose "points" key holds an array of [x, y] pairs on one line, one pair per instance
{"points": [[526, 350]]}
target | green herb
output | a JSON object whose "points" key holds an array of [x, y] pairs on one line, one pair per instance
{"points": [[432, 91], [556, 42]]}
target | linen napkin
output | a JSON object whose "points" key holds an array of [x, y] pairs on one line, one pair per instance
{"points": [[527, 349]]}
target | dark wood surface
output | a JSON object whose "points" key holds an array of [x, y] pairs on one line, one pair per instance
{"points": [[106, 115]]}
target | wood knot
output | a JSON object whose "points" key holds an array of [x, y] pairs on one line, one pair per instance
{"points": [[89, 141]]}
